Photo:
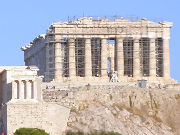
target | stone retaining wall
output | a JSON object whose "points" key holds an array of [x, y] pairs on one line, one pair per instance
{"points": [[48, 116]]}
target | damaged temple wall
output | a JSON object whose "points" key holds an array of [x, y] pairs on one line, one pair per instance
{"points": [[36, 54]]}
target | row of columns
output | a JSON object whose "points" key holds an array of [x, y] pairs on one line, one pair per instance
{"points": [[136, 58], [104, 55], [24, 89]]}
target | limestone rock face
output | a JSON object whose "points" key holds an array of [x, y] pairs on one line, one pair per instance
{"points": [[112, 118], [125, 109]]}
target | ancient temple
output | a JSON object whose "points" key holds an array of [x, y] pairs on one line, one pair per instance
{"points": [[90, 50]]}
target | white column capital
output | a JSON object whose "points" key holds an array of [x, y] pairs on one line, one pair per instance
{"points": [[119, 39], [104, 41], [88, 40], [136, 40]]}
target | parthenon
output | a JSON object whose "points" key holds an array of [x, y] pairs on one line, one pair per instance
{"points": [[90, 50]]}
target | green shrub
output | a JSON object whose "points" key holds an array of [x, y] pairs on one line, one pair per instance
{"points": [[92, 133], [30, 131], [74, 133]]}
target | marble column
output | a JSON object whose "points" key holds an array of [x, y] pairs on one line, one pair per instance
{"points": [[72, 64], [112, 50], [58, 62], [34, 89], [14, 89], [21, 89], [104, 64], [120, 57], [136, 59], [47, 63], [166, 59], [88, 60], [152, 59], [28, 89]]}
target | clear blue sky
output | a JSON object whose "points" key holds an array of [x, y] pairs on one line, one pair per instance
{"points": [[22, 20]]}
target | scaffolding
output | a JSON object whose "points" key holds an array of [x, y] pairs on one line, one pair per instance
{"points": [[65, 57], [96, 56], [128, 50], [80, 56], [128, 44], [144, 44], [159, 57]]}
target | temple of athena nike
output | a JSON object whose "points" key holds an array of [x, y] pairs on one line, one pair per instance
{"points": [[94, 50]]}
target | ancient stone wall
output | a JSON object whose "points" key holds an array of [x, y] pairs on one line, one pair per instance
{"points": [[48, 116]]}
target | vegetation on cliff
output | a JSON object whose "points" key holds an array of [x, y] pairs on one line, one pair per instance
{"points": [[91, 133], [30, 131]]}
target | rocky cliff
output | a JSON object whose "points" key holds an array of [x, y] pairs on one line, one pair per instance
{"points": [[125, 109]]}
